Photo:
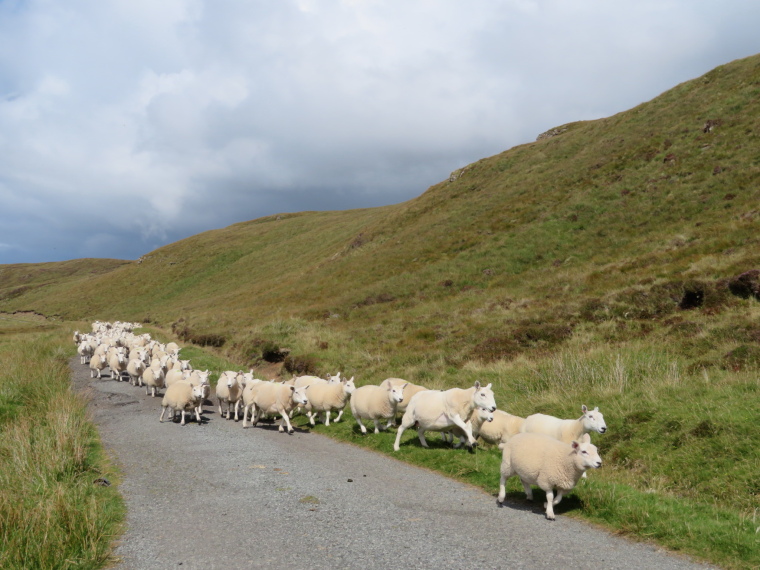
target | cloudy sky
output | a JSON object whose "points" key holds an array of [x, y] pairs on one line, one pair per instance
{"points": [[129, 124]]}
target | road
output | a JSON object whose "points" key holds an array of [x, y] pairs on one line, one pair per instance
{"points": [[220, 496]]}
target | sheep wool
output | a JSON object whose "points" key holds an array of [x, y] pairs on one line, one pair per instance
{"points": [[551, 464]]}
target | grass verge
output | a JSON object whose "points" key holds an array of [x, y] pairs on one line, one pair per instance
{"points": [[56, 511]]}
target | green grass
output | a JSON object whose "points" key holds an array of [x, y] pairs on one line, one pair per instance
{"points": [[52, 513]]}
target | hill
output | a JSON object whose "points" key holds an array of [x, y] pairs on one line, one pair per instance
{"points": [[625, 219]]}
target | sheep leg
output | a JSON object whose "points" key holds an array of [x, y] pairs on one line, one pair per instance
{"points": [[198, 414], [183, 417], [163, 411], [237, 405], [463, 426], [502, 489], [421, 435], [337, 418], [286, 419], [312, 418], [361, 425], [528, 490], [327, 418], [401, 428], [377, 425], [549, 504], [245, 415]]}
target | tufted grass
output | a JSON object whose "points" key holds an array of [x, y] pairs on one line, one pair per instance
{"points": [[52, 513]]}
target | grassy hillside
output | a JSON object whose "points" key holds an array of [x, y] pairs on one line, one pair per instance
{"points": [[614, 264]]}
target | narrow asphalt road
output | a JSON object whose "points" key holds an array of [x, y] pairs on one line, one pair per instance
{"points": [[220, 496]]}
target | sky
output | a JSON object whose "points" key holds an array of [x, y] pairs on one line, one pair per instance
{"points": [[126, 125]]}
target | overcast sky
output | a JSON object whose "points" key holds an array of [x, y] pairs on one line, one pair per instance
{"points": [[129, 124]]}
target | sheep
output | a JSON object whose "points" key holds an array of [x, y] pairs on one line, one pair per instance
{"points": [[135, 368], [409, 391], [85, 351], [117, 362], [97, 362], [376, 403], [198, 377], [500, 430], [249, 392], [274, 398], [153, 378], [565, 430], [181, 365], [229, 390], [551, 464], [172, 348], [175, 375], [436, 410], [328, 397], [480, 415], [182, 397]]}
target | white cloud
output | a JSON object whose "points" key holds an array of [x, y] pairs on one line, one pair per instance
{"points": [[143, 122]]}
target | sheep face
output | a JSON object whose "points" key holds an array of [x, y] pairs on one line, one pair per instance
{"points": [[299, 395], [397, 393], [335, 379], [593, 420], [484, 398], [348, 385], [484, 415], [587, 452]]}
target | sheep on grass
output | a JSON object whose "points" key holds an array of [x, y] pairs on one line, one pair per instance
{"points": [[436, 410], [376, 403], [547, 462]]}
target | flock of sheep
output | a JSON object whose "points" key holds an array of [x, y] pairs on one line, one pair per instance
{"points": [[541, 450]]}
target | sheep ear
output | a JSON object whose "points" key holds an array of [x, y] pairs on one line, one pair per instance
{"points": [[477, 384], [585, 438], [584, 409], [575, 445], [405, 385], [489, 386], [292, 388], [596, 409]]}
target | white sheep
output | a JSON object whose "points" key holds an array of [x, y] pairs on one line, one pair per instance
{"points": [[153, 378], [183, 397], [229, 390], [328, 397], [565, 430], [409, 391], [480, 415], [85, 351], [274, 398], [175, 375], [500, 430], [551, 464], [97, 363], [376, 403], [135, 368], [117, 362], [436, 410], [249, 392]]}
